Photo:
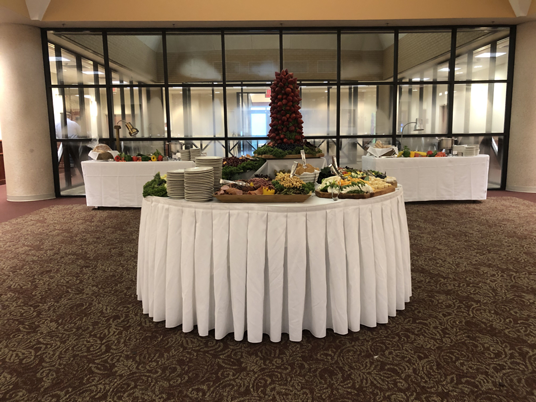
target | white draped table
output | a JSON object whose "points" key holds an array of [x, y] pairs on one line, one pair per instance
{"points": [[274, 268], [432, 179], [120, 184]]}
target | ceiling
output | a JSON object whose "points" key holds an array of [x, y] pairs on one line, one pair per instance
{"points": [[245, 13]]}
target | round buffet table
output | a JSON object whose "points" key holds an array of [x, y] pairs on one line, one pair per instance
{"points": [[274, 268]]}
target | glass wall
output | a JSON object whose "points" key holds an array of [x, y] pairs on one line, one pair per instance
{"points": [[209, 89]]}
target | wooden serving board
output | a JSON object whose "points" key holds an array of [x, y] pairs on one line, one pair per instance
{"points": [[308, 156], [276, 198], [387, 190], [343, 196]]}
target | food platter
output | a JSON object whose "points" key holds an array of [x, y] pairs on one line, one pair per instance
{"points": [[377, 193], [277, 198], [308, 156]]}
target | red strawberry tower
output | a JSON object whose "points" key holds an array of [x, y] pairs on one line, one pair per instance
{"points": [[287, 124]]}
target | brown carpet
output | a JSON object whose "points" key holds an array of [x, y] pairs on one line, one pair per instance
{"points": [[71, 328]]}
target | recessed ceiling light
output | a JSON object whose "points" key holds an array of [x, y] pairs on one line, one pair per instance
{"points": [[92, 72], [461, 72], [116, 82], [87, 96], [447, 69], [477, 67], [441, 94], [415, 90], [58, 59], [488, 55]]}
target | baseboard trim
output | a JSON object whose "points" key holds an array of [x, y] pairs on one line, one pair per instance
{"points": [[521, 189], [26, 198]]}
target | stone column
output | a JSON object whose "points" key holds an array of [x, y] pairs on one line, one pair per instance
{"points": [[24, 115], [521, 160]]}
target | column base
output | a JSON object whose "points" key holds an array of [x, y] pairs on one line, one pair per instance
{"points": [[26, 198], [521, 189]]}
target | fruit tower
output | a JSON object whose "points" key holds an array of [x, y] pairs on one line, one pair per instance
{"points": [[287, 124]]}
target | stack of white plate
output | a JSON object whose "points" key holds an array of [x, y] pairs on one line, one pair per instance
{"points": [[198, 184], [194, 153], [215, 162], [185, 155], [471, 150], [175, 183]]}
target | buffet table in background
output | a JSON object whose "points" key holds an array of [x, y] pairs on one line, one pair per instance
{"points": [[274, 268], [120, 184], [431, 179]]}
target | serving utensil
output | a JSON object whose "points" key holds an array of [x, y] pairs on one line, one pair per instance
{"points": [[238, 183]]}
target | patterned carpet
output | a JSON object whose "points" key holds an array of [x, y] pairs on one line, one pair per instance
{"points": [[71, 328]]}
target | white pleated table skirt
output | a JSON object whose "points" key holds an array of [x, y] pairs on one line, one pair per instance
{"points": [[274, 268]]}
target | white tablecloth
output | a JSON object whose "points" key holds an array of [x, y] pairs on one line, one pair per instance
{"points": [[286, 164], [274, 268], [431, 179], [120, 184]]}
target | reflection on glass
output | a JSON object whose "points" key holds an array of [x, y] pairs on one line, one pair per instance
{"points": [[245, 147], [251, 57], [143, 147], [366, 109], [353, 149], [426, 103], [194, 58], [479, 108], [367, 56], [144, 107], [419, 53], [70, 156], [311, 56], [248, 111], [483, 55], [492, 146], [208, 147], [196, 112], [80, 113], [421, 144], [139, 58], [76, 58], [328, 146], [319, 110]]}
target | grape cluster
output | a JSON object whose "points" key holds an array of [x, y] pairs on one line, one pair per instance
{"points": [[232, 161]]}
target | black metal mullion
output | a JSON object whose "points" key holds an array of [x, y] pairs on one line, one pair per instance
{"points": [[280, 50], [166, 87], [338, 143], [109, 89], [132, 104], [433, 119], [122, 100], [394, 87], [81, 95], [224, 89], [50, 105], [508, 106], [140, 99], [491, 87], [452, 66], [97, 99]]}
